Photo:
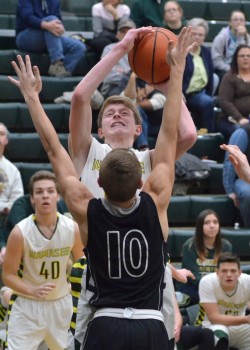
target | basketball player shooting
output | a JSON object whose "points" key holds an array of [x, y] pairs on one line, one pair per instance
{"points": [[124, 234]]}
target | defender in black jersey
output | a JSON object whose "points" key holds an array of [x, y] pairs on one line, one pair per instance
{"points": [[124, 235]]}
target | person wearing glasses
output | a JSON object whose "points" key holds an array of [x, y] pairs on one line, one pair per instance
{"points": [[198, 80], [173, 17], [226, 42], [234, 93]]}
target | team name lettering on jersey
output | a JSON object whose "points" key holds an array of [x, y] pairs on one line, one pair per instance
{"points": [[50, 253], [230, 305]]}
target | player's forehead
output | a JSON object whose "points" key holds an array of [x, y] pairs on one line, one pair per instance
{"points": [[44, 184], [228, 266], [113, 107]]}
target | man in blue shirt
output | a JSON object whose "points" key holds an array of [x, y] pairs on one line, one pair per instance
{"points": [[39, 28]]}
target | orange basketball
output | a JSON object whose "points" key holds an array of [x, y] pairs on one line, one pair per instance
{"points": [[147, 59]]}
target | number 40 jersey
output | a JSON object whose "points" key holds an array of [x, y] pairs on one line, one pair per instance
{"points": [[46, 259]]}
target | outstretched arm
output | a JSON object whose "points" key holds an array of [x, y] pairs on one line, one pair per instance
{"points": [[74, 193], [160, 182], [239, 161], [80, 122]]}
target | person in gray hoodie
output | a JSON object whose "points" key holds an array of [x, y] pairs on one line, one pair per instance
{"points": [[226, 42]]}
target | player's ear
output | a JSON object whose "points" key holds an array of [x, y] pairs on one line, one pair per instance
{"points": [[100, 133], [138, 130]]}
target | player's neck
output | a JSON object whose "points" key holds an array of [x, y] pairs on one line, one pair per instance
{"points": [[120, 142], [46, 219], [125, 205], [230, 291], [46, 223]]}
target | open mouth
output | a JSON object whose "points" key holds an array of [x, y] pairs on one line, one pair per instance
{"points": [[117, 124]]}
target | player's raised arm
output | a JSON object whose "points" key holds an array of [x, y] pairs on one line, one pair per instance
{"points": [[160, 182], [80, 122], [30, 85]]}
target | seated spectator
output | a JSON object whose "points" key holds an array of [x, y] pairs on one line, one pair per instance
{"points": [[226, 42], [234, 93], [238, 190], [148, 13], [39, 28], [150, 103], [224, 295], [106, 16], [20, 210], [116, 81], [198, 79], [173, 17], [200, 253], [11, 186]]}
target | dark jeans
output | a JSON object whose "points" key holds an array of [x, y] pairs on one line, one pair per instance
{"points": [[203, 106]]}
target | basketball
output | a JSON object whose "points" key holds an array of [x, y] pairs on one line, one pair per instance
{"points": [[147, 58]]}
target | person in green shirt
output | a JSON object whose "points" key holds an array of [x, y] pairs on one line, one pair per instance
{"points": [[200, 253], [147, 13]]}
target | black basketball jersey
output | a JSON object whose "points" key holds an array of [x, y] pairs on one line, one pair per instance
{"points": [[126, 256]]}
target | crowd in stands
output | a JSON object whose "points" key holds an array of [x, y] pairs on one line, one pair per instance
{"points": [[216, 75]]}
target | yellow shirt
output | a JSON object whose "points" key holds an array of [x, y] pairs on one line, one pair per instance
{"points": [[199, 78]]}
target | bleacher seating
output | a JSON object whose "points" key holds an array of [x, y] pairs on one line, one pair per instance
{"points": [[27, 147], [184, 210], [240, 240]]}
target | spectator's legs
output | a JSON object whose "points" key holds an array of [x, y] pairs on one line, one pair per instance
{"points": [[203, 104], [74, 50], [226, 128], [242, 190], [31, 40]]}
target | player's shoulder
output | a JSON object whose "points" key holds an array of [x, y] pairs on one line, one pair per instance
{"points": [[210, 278]]}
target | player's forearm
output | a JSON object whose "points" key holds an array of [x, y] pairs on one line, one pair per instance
{"points": [[41, 123], [187, 133], [96, 75], [16, 283], [228, 320], [172, 108]]}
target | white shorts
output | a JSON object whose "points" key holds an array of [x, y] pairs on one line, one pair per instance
{"points": [[239, 336], [33, 321]]}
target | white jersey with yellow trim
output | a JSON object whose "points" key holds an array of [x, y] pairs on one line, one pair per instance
{"points": [[97, 153], [46, 260], [233, 304]]}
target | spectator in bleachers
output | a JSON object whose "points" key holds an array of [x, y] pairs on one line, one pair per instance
{"points": [[226, 42], [148, 13], [173, 16], [234, 93], [11, 186], [39, 28], [198, 78], [238, 190], [200, 253], [106, 16], [116, 80]]}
